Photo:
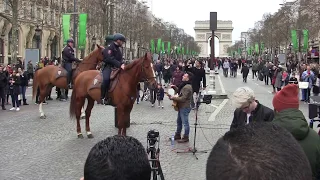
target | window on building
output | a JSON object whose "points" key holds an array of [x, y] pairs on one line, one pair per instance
{"points": [[33, 11], [10, 41], [38, 13], [52, 18], [6, 6]]}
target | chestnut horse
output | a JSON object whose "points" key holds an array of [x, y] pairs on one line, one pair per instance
{"points": [[122, 91], [51, 75]]}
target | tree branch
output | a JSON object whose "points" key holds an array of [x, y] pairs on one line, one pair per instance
{"points": [[5, 17]]}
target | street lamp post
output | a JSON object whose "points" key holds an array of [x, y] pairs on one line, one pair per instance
{"points": [[94, 41], [138, 52], [38, 32]]}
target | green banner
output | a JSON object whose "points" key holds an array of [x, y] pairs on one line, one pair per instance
{"points": [[182, 50], [249, 51], [82, 35], [169, 48], [66, 27], [261, 47], [162, 46], [294, 40], [179, 49], [159, 46], [256, 47], [305, 40], [239, 50], [152, 46], [187, 51]]}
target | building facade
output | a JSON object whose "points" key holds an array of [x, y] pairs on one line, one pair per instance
{"points": [[45, 14]]}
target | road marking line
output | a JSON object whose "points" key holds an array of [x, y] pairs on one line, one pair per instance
{"points": [[216, 112], [213, 105], [270, 92], [221, 85]]}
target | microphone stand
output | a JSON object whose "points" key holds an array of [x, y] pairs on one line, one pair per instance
{"points": [[194, 150]]}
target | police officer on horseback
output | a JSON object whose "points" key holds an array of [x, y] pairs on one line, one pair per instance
{"points": [[68, 58], [112, 57]]}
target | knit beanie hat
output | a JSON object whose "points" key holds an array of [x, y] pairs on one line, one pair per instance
{"points": [[286, 98]]}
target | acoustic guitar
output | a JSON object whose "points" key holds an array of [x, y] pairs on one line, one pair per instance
{"points": [[171, 92]]}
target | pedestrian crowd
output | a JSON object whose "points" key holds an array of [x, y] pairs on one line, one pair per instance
{"points": [[14, 81]]}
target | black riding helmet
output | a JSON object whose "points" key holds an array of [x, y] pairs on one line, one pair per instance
{"points": [[108, 40], [120, 37], [70, 40]]}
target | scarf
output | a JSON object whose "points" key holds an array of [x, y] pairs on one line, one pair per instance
{"points": [[182, 85]]}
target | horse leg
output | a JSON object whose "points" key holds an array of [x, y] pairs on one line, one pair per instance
{"points": [[121, 122], [87, 116], [79, 104], [126, 119], [42, 96], [83, 113]]}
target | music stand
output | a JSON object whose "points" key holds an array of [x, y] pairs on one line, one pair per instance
{"points": [[207, 100]]}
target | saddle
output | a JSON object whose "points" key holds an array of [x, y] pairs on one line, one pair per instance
{"points": [[114, 78], [61, 72]]}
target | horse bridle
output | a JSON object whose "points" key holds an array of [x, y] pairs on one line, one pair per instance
{"points": [[145, 78]]}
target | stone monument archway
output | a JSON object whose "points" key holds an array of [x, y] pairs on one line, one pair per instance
{"points": [[223, 33]]}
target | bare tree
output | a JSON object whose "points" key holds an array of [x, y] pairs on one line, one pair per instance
{"points": [[12, 15]]}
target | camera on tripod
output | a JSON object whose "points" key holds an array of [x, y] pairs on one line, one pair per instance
{"points": [[153, 149]]}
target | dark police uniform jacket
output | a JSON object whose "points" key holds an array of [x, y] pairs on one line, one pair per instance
{"points": [[68, 55], [112, 56]]}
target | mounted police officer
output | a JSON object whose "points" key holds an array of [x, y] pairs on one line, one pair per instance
{"points": [[108, 40], [68, 58], [112, 57]]}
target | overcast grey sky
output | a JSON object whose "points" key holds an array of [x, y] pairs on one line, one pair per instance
{"points": [[243, 13]]}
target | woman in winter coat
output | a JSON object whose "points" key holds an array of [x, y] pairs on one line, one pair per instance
{"points": [[177, 76], [14, 88], [278, 79], [166, 73]]}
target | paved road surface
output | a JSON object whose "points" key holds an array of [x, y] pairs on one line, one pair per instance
{"points": [[37, 149]]}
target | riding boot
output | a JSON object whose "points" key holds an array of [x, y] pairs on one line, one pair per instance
{"points": [[103, 94]]}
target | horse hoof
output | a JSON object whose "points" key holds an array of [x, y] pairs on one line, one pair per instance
{"points": [[80, 136], [43, 117], [90, 136], [83, 117]]}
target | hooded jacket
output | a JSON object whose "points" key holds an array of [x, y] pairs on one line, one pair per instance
{"points": [[294, 121]]}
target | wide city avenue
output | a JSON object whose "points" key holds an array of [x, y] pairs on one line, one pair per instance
{"points": [[242, 70]]}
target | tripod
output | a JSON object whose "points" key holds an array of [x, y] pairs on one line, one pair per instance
{"points": [[193, 150]]}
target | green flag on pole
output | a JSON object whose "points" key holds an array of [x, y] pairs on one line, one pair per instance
{"points": [[162, 48], [66, 27], [257, 48], [82, 35], [182, 50], [169, 48], [294, 40], [305, 40], [152, 46], [159, 46], [262, 47]]}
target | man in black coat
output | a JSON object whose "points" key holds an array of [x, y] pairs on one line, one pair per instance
{"points": [[199, 75], [245, 72], [248, 108], [3, 84]]}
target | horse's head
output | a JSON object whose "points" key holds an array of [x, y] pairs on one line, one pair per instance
{"points": [[95, 57], [148, 73]]}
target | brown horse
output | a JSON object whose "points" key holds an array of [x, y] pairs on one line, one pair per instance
{"points": [[122, 92], [51, 75]]}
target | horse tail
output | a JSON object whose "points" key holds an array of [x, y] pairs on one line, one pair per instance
{"points": [[72, 109], [35, 85]]}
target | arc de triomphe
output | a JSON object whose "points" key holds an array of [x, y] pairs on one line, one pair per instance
{"points": [[223, 33]]}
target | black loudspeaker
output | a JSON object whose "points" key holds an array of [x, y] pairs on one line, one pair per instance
{"points": [[213, 21]]}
